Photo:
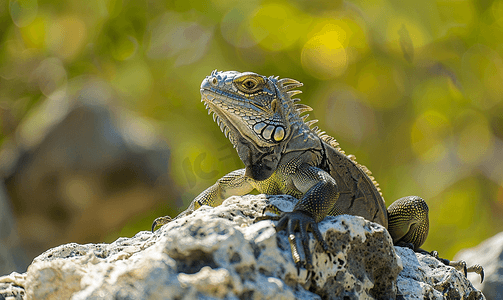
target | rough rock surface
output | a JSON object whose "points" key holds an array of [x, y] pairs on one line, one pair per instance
{"points": [[220, 253], [424, 277], [489, 254]]}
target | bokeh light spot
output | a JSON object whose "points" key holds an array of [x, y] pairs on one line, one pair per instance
{"points": [[51, 75], [350, 35], [23, 12], [78, 191], [66, 37], [324, 56], [34, 34], [140, 132], [278, 26]]}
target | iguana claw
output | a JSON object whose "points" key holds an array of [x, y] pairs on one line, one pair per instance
{"points": [[269, 208], [477, 269], [459, 265], [166, 219], [297, 221], [273, 209]]}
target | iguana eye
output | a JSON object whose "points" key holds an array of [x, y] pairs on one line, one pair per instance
{"points": [[249, 84]]}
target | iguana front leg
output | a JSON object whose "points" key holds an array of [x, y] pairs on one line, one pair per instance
{"points": [[233, 184], [320, 195]]}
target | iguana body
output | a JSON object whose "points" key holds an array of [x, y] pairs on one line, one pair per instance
{"points": [[284, 155]]}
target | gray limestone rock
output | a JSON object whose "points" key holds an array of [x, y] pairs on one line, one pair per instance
{"points": [[424, 277], [219, 253], [489, 254]]}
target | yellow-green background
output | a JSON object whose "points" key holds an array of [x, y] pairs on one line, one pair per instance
{"points": [[413, 88]]}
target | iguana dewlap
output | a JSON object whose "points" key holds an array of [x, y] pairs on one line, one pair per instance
{"points": [[284, 154]]}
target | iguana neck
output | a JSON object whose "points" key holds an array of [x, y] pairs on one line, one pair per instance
{"points": [[302, 138]]}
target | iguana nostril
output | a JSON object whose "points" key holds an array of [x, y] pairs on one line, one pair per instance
{"points": [[267, 133]]}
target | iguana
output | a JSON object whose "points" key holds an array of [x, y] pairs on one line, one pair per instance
{"points": [[284, 154]]}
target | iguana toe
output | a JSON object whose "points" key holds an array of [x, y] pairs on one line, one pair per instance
{"points": [[477, 269], [161, 221], [270, 208], [459, 265], [301, 222], [304, 240]]}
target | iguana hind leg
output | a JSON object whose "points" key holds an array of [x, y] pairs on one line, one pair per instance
{"points": [[408, 226], [408, 221]]}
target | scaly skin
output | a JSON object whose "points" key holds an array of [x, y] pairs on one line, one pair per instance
{"points": [[284, 155]]}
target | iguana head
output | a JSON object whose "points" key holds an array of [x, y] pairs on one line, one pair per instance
{"points": [[256, 113]]}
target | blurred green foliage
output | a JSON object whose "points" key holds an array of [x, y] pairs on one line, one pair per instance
{"points": [[413, 88]]}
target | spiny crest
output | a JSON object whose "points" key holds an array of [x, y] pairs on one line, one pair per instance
{"points": [[367, 171], [329, 140], [311, 122], [287, 84], [301, 108]]}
